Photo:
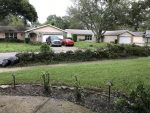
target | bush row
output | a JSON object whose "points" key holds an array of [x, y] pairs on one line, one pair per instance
{"points": [[11, 40], [109, 52]]}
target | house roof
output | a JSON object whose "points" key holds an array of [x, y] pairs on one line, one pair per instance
{"points": [[116, 33], [39, 27], [79, 31], [11, 29], [147, 34], [138, 34]]}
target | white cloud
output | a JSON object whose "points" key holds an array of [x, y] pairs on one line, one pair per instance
{"points": [[45, 8]]}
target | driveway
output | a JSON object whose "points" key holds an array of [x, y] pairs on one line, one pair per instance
{"points": [[16, 104], [63, 49]]}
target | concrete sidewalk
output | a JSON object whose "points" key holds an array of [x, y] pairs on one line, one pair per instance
{"points": [[16, 104]]}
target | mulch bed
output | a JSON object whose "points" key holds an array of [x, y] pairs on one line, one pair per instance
{"points": [[94, 99]]}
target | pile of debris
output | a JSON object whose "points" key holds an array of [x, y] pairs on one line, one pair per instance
{"points": [[9, 61]]}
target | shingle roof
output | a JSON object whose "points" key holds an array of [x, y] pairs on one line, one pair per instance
{"points": [[117, 32], [39, 27], [79, 31], [11, 29], [140, 34]]}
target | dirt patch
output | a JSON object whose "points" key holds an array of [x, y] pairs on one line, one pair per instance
{"points": [[96, 100]]}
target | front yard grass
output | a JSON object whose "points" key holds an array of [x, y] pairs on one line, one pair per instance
{"points": [[125, 74], [90, 45], [18, 47]]}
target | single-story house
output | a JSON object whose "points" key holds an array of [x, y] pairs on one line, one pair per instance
{"points": [[41, 33], [82, 35], [7, 32], [37, 34], [124, 37]]}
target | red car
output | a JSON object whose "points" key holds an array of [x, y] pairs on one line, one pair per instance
{"points": [[68, 42]]}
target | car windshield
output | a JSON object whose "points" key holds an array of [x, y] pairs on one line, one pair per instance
{"points": [[54, 38]]}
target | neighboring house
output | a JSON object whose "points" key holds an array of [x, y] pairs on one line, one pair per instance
{"points": [[147, 36], [10, 32], [41, 33], [124, 37], [82, 35]]}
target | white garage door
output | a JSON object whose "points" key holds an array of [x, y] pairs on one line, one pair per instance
{"points": [[46, 36], [125, 40]]}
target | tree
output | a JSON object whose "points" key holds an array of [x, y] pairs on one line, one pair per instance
{"points": [[21, 8], [138, 14], [98, 15], [57, 21], [12, 20]]}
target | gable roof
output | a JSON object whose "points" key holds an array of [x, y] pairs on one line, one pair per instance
{"points": [[79, 31], [48, 25], [11, 29], [117, 32]]}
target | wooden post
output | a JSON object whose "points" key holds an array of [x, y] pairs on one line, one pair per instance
{"points": [[14, 80], [109, 91]]}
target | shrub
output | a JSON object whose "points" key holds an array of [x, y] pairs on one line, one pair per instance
{"points": [[46, 82], [137, 102], [27, 40], [78, 95], [36, 43], [11, 40], [47, 56], [45, 48], [74, 37]]}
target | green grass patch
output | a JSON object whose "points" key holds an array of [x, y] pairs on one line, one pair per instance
{"points": [[18, 47], [125, 74], [90, 45]]}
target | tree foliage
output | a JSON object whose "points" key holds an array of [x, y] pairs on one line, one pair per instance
{"points": [[65, 22], [61, 22], [102, 15], [12, 20], [98, 15], [20, 8], [138, 14]]}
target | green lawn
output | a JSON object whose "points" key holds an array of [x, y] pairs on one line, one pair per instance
{"points": [[18, 47], [89, 45], [125, 74]]}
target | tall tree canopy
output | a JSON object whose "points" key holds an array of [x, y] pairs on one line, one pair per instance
{"points": [[102, 15], [61, 22], [20, 8], [139, 14], [98, 15]]}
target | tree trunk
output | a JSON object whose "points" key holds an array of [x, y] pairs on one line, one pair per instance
{"points": [[99, 38]]}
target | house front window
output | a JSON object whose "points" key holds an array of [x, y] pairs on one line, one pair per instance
{"points": [[11, 35], [88, 37]]}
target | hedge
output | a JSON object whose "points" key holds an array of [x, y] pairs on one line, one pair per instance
{"points": [[109, 52]]}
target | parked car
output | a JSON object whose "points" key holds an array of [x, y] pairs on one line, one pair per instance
{"points": [[54, 41], [68, 42]]}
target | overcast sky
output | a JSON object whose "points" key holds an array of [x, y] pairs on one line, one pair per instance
{"points": [[45, 8]]}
